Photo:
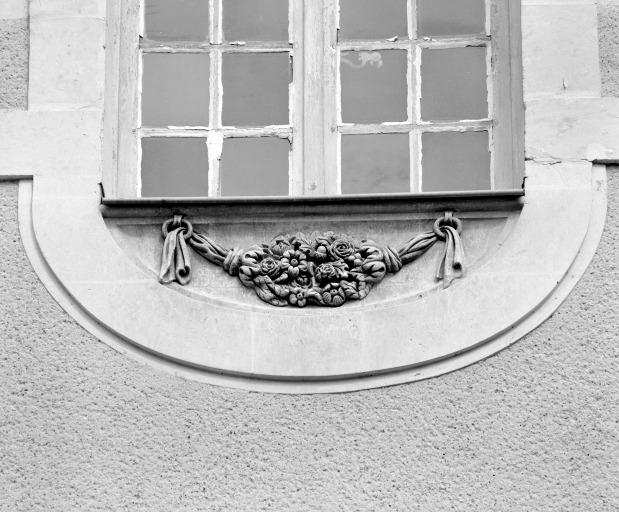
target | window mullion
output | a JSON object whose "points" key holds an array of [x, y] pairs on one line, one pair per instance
{"points": [[295, 35], [411, 10], [214, 136], [318, 97], [415, 97], [128, 113], [330, 67]]}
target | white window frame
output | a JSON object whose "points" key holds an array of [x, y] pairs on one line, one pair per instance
{"points": [[316, 128]]}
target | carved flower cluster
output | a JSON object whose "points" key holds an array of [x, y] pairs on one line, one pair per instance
{"points": [[325, 269]]}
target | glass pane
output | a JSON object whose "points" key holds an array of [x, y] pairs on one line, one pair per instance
{"points": [[374, 86], [176, 20], [375, 163], [373, 19], [255, 20], [453, 84], [255, 89], [174, 167], [455, 161], [175, 90], [255, 167], [451, 17]]}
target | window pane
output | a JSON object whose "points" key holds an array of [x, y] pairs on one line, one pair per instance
{"points": [[176, 20], [453, 84], [175, 90], [455, 161], [255, 89], [255, 167], [451, 17], [374, 86], [375, 163], [174, 167], [255, 20], [373, 19]]}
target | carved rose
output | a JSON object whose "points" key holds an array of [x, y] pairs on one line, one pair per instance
{"points": [[343, 249], [325, 272], [269, 267], [331, 271]]}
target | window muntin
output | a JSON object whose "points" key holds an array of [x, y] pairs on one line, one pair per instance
{"points": [[410, 82]]}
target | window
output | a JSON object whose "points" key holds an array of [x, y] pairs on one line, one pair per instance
{"points": [[321, 97]]}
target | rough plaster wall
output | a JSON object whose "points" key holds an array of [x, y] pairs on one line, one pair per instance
{"points": [[608, 19], [535, 427], [13, 64]]}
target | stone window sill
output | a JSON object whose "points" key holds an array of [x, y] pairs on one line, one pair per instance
{"points": [[486, 200]]}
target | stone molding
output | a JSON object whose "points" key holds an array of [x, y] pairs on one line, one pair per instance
{"points": [[502, 299]]}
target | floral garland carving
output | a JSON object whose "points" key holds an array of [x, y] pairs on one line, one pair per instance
{"points": [[324, 269]]}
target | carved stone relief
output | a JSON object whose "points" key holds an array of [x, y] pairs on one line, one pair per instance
{"points": [[323, 269]]}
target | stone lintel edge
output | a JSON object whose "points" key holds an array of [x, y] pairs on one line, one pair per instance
{"points": [[250, 382]]}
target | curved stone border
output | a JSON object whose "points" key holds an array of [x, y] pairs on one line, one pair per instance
{"points": [[571, 208]]}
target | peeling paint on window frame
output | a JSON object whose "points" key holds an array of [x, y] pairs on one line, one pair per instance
{"points": [[315, 128]]}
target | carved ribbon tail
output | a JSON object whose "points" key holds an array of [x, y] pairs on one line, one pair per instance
{"points": [[175, 263], [451, 265], [445, 229]]}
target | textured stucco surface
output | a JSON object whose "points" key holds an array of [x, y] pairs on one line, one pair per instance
{"points": [[13, 64], [84, 428], [608, 26]]}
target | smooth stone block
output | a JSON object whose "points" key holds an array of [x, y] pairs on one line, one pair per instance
{"points": [[13, 9], [50, 143], [564, 129], [67, 63], [560, 50], [68, 8], [307, 343]]}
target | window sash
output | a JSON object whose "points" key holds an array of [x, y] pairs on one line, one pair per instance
{"points": [[315, 128]]}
